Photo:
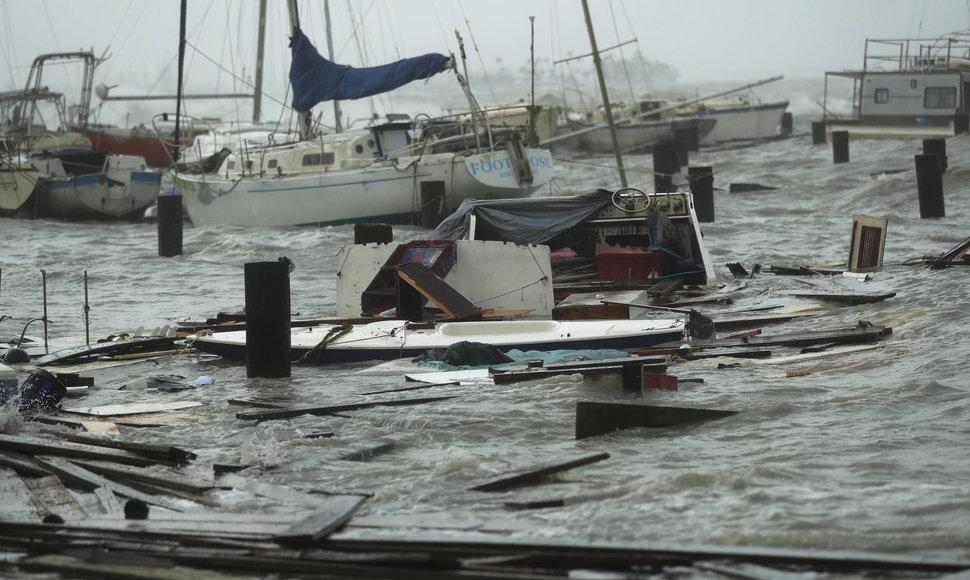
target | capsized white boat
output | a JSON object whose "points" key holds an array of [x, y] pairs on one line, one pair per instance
{"points": [[392, 339]]}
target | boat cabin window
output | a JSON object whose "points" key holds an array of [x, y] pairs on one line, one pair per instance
{"points": [[318, 159], [271, 163], [940, 98], [231, 165], [881, 96]]}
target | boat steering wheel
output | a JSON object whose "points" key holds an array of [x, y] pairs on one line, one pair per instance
{"points": [[630, 200]]}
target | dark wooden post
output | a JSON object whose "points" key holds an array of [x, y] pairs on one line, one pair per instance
{"points": [[936, 147], [682, 144], [701, 180], [787, 125], [961, 123], [818, 132], [929, 182], [840, 146], [268, 319], [169, 225], [373, 234], [665, 165]]}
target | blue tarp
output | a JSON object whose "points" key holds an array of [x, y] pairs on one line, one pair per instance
{"points": [[316, 79]]}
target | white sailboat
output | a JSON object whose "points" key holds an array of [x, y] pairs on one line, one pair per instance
{"points": [[393, 173]]}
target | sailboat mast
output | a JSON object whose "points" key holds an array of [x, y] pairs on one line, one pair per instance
{"points": [[178, 101], [303, 117], [260, 46], [606, 98], [336, 104]]}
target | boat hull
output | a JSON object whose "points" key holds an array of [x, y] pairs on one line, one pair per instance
{"points": [[743, 122], [392, 339], [17, 182], [387, 192], [99, 196], [640, 137]]}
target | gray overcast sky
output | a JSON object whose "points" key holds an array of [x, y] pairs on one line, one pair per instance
{"points": [[703, 40]]}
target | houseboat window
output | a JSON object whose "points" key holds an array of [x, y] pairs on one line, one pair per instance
{"points": [[940, 98], [272, 163], [882, 96], [231, 165], [317, 159]]}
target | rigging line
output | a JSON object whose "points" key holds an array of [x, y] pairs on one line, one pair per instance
{"points": [[513, 291], [223, 69], [198, 24], [481, 61], [626, 71], [131, 29]]}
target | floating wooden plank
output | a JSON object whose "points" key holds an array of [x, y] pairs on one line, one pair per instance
{"points": [[324, 520], [75, 450], [848, 299], [272, 491], [16, 504], [157, 450], [103, 427], [595, 418], [855, 334], [746, 187], [80, 477], [22, 464], [133, 408], [109, 501], [533, 473], [155, 569], [152, 477], [156, 420], [333, 409], [415, 276], [600, 369], [51, 497], [445, 377]]}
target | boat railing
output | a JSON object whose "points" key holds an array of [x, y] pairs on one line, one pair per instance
{"points": [[949, 52]]}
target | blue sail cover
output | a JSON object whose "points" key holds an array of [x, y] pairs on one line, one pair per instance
{"points": [[316, 79]]}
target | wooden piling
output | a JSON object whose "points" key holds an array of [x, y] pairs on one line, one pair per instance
{"points": [[936, 147], [787, 124], [929, 183], [840, 146], [169, 225], [961, 123], [818, 132], [701, 180], [665, 166], [373, 234], [268, 319]]}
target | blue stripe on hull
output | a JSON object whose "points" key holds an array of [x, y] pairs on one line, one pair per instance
{"points": [[337, 356]]}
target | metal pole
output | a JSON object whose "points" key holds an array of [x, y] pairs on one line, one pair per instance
{"points": [[606, 98], [260, 44], [336, 104], [87, 312], [178, 103], [43, 274]]}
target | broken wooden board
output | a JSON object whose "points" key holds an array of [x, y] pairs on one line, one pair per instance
{"points": [[448, 377], [153, 477], [103, 427], [65, 566], [151, 420], [332, 409], [272, 491], [848, 299], [94, 351], [530, 474], [35, 447], [588, 370], [416, 280], [133, 408], [77, 476], [323, 521], [595, 418], [51, 497], [17, 503], [854, 334]]}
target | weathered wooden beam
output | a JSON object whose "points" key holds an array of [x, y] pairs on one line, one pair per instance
{"points": [[596, 418], [848, 299], [158, 450], [333, 409], [16, 504], [533, 473], [78, 476], [51, 497], [153, 477], [324, 520], [74, 450]]}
